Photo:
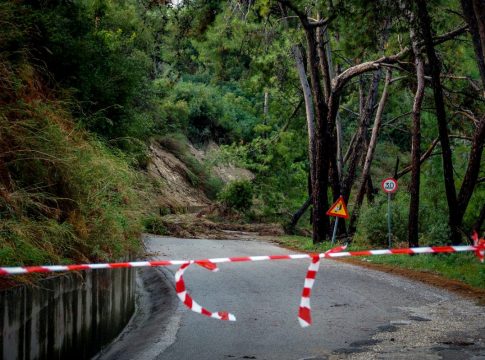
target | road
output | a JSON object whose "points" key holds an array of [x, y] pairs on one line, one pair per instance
{"points": [[357, 313]]}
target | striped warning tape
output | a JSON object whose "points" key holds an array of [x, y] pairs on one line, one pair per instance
{"points": [[188, 301], [479, 249], [304, 313]]}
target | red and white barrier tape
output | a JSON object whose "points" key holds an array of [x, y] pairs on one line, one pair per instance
{"points": [[479, 246], [304, 313], [479, 249], [188, 301]]}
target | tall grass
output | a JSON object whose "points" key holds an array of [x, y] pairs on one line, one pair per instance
{"points": [[64, 195], [68, 196]]}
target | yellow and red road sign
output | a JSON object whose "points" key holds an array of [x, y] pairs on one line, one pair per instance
{"points": [[339, 209]]}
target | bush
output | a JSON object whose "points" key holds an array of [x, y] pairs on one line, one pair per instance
{"points": [[154, 225], [372, 226], [237, 195]]}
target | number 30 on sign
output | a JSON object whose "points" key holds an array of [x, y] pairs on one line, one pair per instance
{"points": [[389, 185]]}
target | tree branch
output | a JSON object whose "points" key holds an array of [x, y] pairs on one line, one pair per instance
{"points": [[340, 81], [307, 22], [425, 156]]}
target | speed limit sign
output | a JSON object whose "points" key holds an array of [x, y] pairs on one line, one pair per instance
{"points": [[389, 185]]}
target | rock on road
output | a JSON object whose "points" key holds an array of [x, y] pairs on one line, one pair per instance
{"points": [[357, 313]]}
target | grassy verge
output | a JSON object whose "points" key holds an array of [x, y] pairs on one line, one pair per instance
{"points": [[64, 195], [461, 267]]}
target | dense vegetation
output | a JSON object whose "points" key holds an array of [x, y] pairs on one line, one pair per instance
{"points": [[288, 89]]}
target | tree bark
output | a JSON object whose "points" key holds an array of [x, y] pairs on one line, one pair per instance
{"points": [[321, 158], [425, 156], [369, 190], [307, 97], [338, 124], [327, 75], [361, 133], [320, 197], [323, 62], [310, 120], [370, 154], [413, 224], [474, 12], [310, 115], [473, 169], [266, 105], [298, 214], [434, 65]]}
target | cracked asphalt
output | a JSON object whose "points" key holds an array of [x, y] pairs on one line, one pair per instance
{"points": [[357, 313]]}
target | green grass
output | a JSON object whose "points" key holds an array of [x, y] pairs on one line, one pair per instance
{"points": [[464, 267], [68, 197]]}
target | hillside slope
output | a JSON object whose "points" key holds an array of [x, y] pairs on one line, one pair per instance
{"points": [[185, 208], [176, 191]]}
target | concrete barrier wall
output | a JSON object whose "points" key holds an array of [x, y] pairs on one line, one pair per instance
{"points": [[69, 316]]}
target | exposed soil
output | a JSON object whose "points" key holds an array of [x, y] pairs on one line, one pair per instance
{"points": [[226, 172], [176, 190], [193, 226]]}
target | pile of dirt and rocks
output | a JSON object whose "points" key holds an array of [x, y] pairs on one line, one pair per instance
{"points": [[193, 226], [191, 214]]}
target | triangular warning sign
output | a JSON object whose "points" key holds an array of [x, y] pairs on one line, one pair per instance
{"points": [[339, 209]]}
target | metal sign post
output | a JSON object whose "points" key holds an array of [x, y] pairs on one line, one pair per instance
{"points": [[389, 186], [335, 230], [338, 210], [389, 216]]}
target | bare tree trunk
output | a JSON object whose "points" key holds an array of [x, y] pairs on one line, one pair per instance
{"points": [[370, 154], [326, 71], [369, 190], [361, 133], [472, 171], [426, 155], [413, 224], [434, 64], [474, 11], [320, 197], [321, 163], [297, 215], [326, 66], [310, 119], [323, 61], [266, 105], [310, 115], [338, 123]]}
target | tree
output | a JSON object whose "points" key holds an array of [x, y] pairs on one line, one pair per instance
{"points": [[413, 224], [425, 29]]}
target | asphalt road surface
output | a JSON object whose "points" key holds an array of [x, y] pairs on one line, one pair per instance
{"points": [[357, 313]]}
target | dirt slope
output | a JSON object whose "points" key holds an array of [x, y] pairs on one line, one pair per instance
{"points": [[227, 172], [177, 193]]}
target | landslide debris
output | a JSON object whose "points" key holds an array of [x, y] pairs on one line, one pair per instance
{"points": [[186, 208], [195, 226]]}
